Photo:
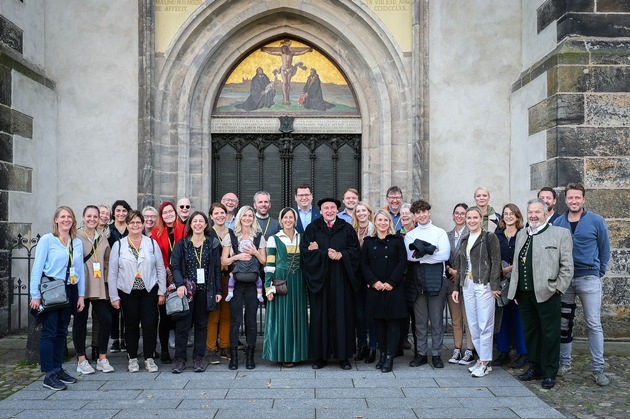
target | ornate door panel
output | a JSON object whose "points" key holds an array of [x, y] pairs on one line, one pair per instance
{"points": [[247, 163]]}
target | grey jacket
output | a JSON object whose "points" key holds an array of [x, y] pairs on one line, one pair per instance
{"points": [[485, 256], [452, 261], [552, 261]]}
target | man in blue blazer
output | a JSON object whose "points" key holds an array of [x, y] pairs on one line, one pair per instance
{"points": [[306, 212]]}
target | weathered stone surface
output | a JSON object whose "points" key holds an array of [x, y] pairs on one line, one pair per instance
{"points": [[619, 231], [554, 9], [607, 173], [609, 203], [14, 122], [588, 79], [618, 266], [588, 141], [607, 110], [555, 171], [5, 85], [608, 52], [611, 25], [4, 206], [559, 109], [6, 148], [16, 178], [612, 6], [11, 35]]}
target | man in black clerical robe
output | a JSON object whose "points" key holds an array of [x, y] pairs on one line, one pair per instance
{"points": [[261, 93], [330, 250]]}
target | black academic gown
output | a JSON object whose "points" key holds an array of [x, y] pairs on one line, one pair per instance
{"points": [[331, 286]]}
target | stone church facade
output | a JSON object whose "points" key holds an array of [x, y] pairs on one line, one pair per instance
{"points": [[95, 106]]}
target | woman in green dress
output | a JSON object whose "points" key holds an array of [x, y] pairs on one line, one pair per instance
{"points": [[286, 325]]}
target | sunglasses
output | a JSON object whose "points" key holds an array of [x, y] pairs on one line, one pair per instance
{"points": [[184, 206]]}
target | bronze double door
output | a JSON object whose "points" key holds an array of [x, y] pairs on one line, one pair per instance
{"points": [[248, 163]]}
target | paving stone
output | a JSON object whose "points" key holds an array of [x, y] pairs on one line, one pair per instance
{"points": [[386, 382], [357, 393], [464, 412], [365, 413], [272, 393], [270, 414], [141, 385], [181, 413], [424, 401], [65, 413], [135, 404], [95, 395], [467, 392], [233, 404], [511, 402], [331, 404], [47, 405], [210, 393], [239, 383], [515, 391], [533, 412], [331, 383]]}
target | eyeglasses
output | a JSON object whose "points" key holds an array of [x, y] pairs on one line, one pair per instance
{"points": [[150, 217], [135, 223], [459, 214], [184, 206], [398, 197], [229, 200]]}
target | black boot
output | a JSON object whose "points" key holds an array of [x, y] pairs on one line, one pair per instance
{"points": [[233, 358], [362, 354], [249, 358], [371, 356], [381, 361], [388, 364]]}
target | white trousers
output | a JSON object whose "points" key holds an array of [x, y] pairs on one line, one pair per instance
{"points": [[480, 314]]}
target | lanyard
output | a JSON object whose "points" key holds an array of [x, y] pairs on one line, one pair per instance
{"points": [[94, 244], [267, 227], [200, 254], [70, 250], [133, 245]]}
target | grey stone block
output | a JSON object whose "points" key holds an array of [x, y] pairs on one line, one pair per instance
{"points": [[272, 393], [464, 412], [64, 413], [607, 173], [46, 405], [180, 413], [425, 401], [511, 402], [611, 110], [135, 404], [447, 391], [239, 383], [331, 404], [535, 412], [395, 382], [238, 404], [331, 383], [199, 394], [144, 385], [510, 391], [95, 395], [358, 393], [365, 414], [269, 414]]}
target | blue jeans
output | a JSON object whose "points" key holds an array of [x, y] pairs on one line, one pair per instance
{"points": [[589, 290]]}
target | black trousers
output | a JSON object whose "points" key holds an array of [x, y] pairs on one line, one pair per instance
{"points": [[244, 295], [198, 316], [140, 306], [388, 335], [79, 326], [166, 324]]}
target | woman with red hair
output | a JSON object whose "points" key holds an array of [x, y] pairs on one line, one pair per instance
{"points": [[168, 232]]}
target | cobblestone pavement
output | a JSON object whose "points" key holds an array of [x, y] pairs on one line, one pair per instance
{"points": [[575, 395]]}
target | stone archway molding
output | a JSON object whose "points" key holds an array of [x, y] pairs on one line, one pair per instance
{"points": [[219, 33]]}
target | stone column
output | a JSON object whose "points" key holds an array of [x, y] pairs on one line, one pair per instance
{"points": [[586, 116]]}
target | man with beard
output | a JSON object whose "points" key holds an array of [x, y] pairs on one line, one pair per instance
{"points": [[548, 195], [312, 95], [261, 93], [262, 205], [230, 200], [330, 251], [591, 252], [543, 267], [394, 198]]}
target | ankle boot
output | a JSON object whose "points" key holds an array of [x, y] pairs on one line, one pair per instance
{"points": [[381, 361], [388, 364], [362, 354], [249, 358], [233, 358], [371, 356]]}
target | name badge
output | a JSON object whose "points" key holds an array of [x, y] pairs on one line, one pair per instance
{"points": [[73, 275], [201, 276], [96, 266]]}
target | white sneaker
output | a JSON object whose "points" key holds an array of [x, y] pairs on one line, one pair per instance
{"points": [[149, 364], [133, 365], [468, 358], [474, 367], [171, 339], [103, 365], [457, 354], [481, 371], [563, 370], [85, 368]]}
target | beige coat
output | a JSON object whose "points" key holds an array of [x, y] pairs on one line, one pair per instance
{"points": [[552, 262], [95, 288]]}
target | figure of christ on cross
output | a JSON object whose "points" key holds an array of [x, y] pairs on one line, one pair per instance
{"points": [[288, 70]]}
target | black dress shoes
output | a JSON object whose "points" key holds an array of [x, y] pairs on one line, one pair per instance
{"points": [[388, 365], [437, 362], [418, 360], [319, 364], [345, 364], [381, 361], [530, 375], [548, 383]]}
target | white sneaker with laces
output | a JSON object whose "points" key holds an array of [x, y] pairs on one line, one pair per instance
{"points": [[468, 358], [85, 368], [149, 364], [103, 365], [457, 354], [474, 367], [480, 371], [563, 370], [133, 365]]}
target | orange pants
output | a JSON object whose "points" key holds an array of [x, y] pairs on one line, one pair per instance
{"points": [[219, 320]]}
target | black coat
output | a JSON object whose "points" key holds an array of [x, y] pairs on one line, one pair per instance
{"points": [[212, 269], [385, 260]]}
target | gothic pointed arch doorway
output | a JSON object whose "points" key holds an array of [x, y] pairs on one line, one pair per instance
{"points": [[311, 101]]}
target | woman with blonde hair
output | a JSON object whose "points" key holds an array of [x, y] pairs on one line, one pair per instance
{"points": [[363, 225], [58, 256], [245, 248], [490, 218]]}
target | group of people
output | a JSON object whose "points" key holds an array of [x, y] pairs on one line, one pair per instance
{"points": [[336, 284]]}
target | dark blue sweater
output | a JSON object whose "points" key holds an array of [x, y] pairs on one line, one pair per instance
{"points": [[591, 244]]}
